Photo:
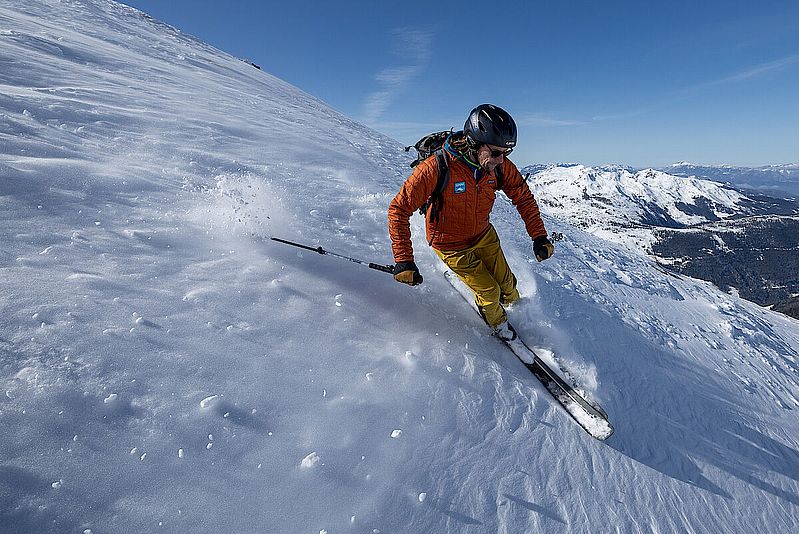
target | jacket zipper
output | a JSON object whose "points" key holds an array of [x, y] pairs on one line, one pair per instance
{"points": [[476, 205]]}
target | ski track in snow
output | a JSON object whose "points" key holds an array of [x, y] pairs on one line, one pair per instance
{"points": [[165, 366]]}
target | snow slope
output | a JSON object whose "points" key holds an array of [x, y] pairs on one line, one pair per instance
{"points": [[165, 367]]}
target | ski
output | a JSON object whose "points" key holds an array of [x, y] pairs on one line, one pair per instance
{"points": [[591, 418]]}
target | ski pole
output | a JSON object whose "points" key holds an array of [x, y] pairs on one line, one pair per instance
{"points": [[319, 250]]}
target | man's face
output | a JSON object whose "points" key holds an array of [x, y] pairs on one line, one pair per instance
{"points": [[489, 156]]}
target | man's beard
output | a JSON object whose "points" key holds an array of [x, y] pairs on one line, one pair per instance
{"points": [[489, 165]]}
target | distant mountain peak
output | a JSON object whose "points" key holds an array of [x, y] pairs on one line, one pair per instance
{"points": [[619, 202], [778, 180]]}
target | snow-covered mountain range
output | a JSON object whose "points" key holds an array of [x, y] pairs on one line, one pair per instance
{"points": [[735, 238], [605, 200], [775, 180], [166, 367]]}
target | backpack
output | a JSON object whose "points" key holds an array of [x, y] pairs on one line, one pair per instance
{"points": [[425, 147], [428, 145]]}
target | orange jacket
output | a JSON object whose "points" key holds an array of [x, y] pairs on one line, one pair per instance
{"points": [[465, 209]]}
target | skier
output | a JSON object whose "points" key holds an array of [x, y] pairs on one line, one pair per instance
{"points": [[458, 227]]}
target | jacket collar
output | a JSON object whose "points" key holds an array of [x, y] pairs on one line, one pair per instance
{"points": [[450, 147]]}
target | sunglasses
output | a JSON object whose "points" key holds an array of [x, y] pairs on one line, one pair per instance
{"points": [[502, 152]]}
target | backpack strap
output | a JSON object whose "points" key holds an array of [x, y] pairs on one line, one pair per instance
{"points": [[498, 175], [436, 197]]}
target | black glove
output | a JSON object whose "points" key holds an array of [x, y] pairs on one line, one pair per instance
{"points": [[543, 248], [406, 272]]}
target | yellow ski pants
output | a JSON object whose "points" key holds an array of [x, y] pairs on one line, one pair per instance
{"points": [[485, 270]]}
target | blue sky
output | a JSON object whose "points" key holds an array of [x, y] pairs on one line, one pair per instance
{"points": [[631, 82]]}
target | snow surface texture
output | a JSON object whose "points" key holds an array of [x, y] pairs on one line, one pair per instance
{"points": [[165, 367]]}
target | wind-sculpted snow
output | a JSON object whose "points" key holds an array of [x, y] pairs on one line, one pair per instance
{"points": [[166, 367]]}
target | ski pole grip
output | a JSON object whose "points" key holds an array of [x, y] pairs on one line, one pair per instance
{"points": [[385, 268]]}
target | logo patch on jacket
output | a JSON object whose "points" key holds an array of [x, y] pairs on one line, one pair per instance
{"points": [[460, 187]]}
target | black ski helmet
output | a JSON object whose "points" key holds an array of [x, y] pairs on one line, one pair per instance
{"points": [[491, 125]]}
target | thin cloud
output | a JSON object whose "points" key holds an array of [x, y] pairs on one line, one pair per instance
{"points": [[416, 46], [748, 74], [397, 77], [751, 73], [762, 70]]}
